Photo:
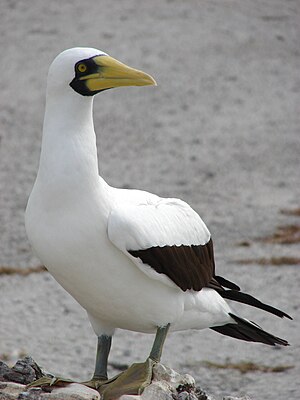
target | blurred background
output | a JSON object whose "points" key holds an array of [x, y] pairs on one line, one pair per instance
{"points": [[220, 131]]}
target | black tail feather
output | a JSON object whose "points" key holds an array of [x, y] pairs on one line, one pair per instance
{"points": [[252, 301], [226, 283], [249, 331]]}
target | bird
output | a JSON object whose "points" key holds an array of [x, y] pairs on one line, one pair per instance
{"points": [[131, 259]]}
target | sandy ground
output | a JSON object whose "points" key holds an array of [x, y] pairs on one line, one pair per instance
{"points": [[221, 131]]}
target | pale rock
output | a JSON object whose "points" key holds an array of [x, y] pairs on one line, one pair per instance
{"points": [[10, 390], [76, 391], [163, 373], [157, 390]]}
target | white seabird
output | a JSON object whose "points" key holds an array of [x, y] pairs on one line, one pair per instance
{"points": [[133, 260]]}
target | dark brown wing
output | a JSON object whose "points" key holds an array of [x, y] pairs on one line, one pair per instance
{"points": [[189, 267]]}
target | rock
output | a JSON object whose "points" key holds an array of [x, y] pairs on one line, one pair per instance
{"points": [[10, 391], [24, 371], [74, 391], [167, 384], [4, 369]]}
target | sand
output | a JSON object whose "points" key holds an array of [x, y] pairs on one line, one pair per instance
{"points": [[220, 131]]}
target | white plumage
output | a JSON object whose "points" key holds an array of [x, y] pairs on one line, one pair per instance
{"points": [[155, 222], [80, 227]]}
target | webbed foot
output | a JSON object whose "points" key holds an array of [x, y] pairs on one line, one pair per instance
{"points": [[95, 383], [48, 380], [132, 381]]}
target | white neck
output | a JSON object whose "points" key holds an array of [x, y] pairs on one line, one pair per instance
{"points": [[68, 172], [69, 152]]}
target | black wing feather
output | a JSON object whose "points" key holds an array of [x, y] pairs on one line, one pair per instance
{"points": [[252, 301], [224, 282], [189, 267], [245, 330]]}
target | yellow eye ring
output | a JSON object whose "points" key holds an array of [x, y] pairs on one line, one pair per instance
{"points": [[82, 67]]}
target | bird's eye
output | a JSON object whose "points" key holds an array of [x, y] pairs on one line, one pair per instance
{"points": [[82, 67]]}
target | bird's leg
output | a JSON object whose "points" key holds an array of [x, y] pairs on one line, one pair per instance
{"points": [[158, 343], [139, 375], [103, 349], [100, 374]]}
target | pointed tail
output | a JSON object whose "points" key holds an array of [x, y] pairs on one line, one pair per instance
{"points": [[249, 331], [251, 301]]}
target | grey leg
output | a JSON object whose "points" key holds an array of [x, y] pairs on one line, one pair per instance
{"points": [[159, 341], [103, 349]]}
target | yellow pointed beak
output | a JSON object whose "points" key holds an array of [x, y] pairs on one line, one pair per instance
{"points": [[112, 73]]}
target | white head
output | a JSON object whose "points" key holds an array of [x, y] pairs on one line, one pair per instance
{"points": [[88, 71]]}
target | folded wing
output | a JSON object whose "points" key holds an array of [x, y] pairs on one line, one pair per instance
{"points": [[165, 239]]}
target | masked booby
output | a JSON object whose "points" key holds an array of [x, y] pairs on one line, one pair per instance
{"points": [[132, 259]]}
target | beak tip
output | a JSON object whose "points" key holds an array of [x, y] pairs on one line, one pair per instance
{"points": [[152, 81]]}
